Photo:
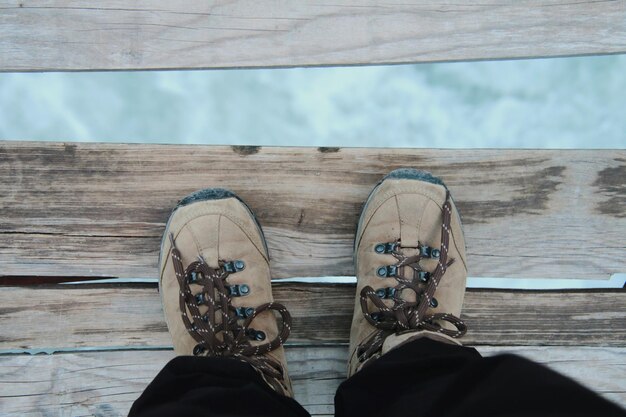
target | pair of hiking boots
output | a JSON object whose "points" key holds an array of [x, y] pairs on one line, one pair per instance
{"points": [[410, 266]]}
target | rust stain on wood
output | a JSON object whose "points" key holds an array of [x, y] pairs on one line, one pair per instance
{"points": [[325, 149], [245, 150], [65, 154], [612, 184], [70, 149]]}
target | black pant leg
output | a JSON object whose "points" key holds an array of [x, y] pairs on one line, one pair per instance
{"points": [[212, 387], [426, 378]]}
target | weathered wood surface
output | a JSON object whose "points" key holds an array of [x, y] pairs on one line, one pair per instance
{"points": [[127, 316], [79, 35], [106, 383], [100, 209]]}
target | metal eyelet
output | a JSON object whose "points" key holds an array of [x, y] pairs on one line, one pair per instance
{"points": [[387, 271], [434, 303], [428, 252], [423, 276], [200, 298], [198, 349], [386, 247], [194, 277], [388, 292], [376, 316], [234, 266], [244, 312], [238, 290], [255, 334]]}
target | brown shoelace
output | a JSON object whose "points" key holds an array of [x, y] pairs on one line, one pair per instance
{"points": [[228, 338], [409, 315]]}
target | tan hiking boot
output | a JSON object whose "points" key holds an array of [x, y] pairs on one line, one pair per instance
{"points": [[215, 286], [410, 266]]}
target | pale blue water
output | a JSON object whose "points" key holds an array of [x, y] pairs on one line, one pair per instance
{"points": [[548, 103]]}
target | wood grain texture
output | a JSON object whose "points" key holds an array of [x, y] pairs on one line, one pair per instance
{"points": [[106, 383], [113, 35], [130, 316], [100, 209]]}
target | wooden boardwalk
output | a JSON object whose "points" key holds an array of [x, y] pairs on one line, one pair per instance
{"points": [[77, 35], [552, 213], [100, 383], [77, 212], [73, 213]]}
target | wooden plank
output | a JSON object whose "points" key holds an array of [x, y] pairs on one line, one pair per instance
{"points": [[113, 35], [83, 316], [99, 209], [106, 383]]}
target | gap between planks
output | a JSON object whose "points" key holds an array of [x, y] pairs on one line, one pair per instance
{"points": [[107, 383]]}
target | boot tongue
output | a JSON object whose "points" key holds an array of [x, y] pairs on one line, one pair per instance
{"points": [[396, 340], [410, 210], [408, 295]]}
